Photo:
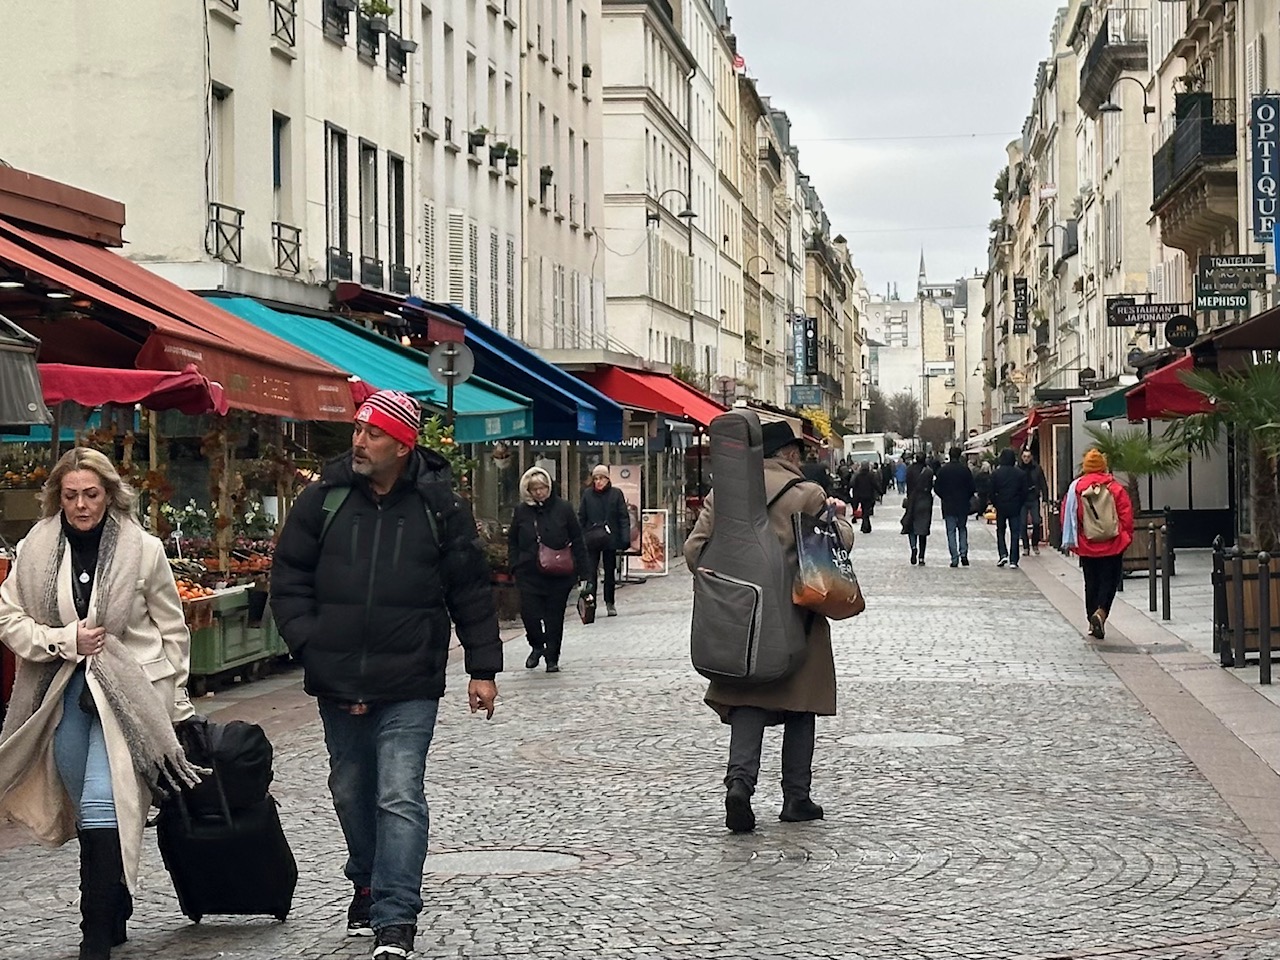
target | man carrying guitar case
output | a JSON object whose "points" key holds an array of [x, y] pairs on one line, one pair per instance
{"points": [[769, 661]]}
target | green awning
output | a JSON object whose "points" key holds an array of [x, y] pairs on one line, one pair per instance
{"points": [[1110, 406], [483, 410]]}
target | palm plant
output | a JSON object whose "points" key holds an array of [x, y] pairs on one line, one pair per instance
{"points": [[1133, 454], [1247, 401]]}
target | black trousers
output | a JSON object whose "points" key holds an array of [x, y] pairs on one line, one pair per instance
{"points": [[543, 616], [746, 741], [610, 556], [1101, 580], [1033, 518]]}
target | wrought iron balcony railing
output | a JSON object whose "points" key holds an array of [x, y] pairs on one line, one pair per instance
{"points": [[371, 274], [401, 279], [225, 232], [339, 264], [1206, 135], [284, 21], [286, 241]]}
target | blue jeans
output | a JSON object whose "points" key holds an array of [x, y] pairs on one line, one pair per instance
{"points": [[80, 754], [376, 765], [957, 537], [1007, 523]]}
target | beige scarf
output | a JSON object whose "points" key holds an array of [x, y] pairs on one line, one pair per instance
{"points": [[129, 694]]}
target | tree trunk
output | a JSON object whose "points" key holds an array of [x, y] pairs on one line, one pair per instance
{"points": [[1266, 511], [1132, 488]]}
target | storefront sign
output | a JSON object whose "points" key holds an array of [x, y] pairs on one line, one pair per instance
{"points": [[810, 346], [1233, 273], [1264, 136], [1208, 300], [806, 395], [628, 479], [1127, 312], [653, 543], [1021, 303], [797, 347]]}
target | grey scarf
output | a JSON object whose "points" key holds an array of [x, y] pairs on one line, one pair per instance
{"points": [[129, 694]]}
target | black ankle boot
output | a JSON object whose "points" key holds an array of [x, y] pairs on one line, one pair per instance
{"points": [[799, 809], [104, 901], [738, 815]]}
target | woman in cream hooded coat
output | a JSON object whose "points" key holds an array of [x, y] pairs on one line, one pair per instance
{"points": [[92, 613]]}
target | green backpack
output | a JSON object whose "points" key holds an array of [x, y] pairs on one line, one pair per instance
{"points": [[335, 497]]}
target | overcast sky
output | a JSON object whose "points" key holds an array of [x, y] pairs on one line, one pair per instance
{"points": [[866, 81]]}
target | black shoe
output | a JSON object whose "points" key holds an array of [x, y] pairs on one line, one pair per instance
{"points": [[738, 816], [535, 655], [394, 942], [913, 558], [955, 563], [964, 561], [610, 609], [553, 667], [1098, 624], [799, 810], [358, 913]]}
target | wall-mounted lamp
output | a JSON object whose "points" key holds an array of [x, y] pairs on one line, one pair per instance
{"points": [[1112, 107]]}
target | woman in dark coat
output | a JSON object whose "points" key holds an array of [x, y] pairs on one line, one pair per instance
{"points": [[864, 492], [542, 518], [606, 527], [917, 517]]}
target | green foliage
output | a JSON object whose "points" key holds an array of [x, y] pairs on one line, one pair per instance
{"points": [[1133, 454], [437, 435], [904, 413], [376, 8]]}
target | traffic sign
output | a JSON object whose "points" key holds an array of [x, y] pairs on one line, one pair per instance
{"points": [[451, 364], [1127, 312]]}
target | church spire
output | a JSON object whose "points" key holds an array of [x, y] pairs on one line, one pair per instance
{"points": [[921, 279]]}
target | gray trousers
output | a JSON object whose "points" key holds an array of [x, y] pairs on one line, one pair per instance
{"points": [[746, 741]]}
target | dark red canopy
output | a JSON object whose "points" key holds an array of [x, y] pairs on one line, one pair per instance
{"points": [[188, 391], [1162, 395]]}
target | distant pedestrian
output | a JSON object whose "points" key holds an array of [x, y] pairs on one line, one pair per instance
{"points": [[544, 523], [798, 699], [900, 474], [864, 493], [1009, 496], [1097, 526], [956, 489], [815, 470], [917, 515], [982, 483], [1031, 526], [886, 477], [606, 529]]}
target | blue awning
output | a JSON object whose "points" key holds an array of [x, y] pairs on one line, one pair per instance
{"points": [[483, 411], [564, 407]]}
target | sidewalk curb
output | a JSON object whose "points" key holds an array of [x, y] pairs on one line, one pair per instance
{"points": [[1228, 730]]}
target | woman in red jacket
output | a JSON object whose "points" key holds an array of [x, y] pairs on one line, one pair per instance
{"points": [[1109, 511]]}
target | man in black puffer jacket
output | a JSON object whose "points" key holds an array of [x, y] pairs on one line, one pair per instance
{"points": [[372, 563], [1008, 494]]}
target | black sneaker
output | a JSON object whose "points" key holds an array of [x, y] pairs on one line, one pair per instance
{"points": [[534, 656], [553, 667], [1002, 562], [358, 913], [964, 561], [395, 942]]}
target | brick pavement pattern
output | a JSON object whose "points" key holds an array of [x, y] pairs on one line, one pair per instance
{"points": [[992, 791]]}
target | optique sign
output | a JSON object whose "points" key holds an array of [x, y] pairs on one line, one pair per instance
{"points": [[1264, 133]]}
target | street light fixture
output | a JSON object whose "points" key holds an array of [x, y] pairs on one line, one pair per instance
{"points": [[766, 272], [1112, 107], [687, 214]]}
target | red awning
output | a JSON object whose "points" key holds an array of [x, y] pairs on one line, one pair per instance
{"points": [[1163, 396], [438, 329], [654, 391], [1037, 416], [257, 371], [188, 391]]}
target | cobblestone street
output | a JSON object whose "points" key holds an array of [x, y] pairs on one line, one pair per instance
{"points": [[992, 790]]}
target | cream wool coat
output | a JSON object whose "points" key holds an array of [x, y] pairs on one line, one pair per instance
{"points": [[156, 635]]}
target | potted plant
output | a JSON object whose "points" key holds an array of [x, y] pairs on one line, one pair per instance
{"points": [[498, 150], [513, 157], [377, 12], [1132, 454], [546, 174], [477, 137]]}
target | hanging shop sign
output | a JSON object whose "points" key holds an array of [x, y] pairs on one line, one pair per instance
{"points": [[806, 395], [1181, 331], [1264, 137], [1232, 273], [1021, 305], [797, 347], [810, 346], [1128, 312], [1210, 300]]}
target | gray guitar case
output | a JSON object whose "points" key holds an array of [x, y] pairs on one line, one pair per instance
{"points": [[745, 627]]}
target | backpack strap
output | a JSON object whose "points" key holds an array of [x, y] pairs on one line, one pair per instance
{"points": [[334, 498], [794, 482]]}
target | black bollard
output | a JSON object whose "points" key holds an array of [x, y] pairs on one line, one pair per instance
{"points": [[1152, 557], [1221, 646], [1264, 618], [1166, 599], [1237, 576]]}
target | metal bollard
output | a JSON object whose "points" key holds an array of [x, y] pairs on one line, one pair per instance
{"points": [[1166, 588], [1220, 645], [1264, 618], [1237, 575], [1151, 567]]}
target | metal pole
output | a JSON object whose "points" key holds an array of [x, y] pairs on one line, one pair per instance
{"points": [[1237, 577], [449, 396], [1151, 567], [1264, 618], [1166, 573], [1220, 645]]}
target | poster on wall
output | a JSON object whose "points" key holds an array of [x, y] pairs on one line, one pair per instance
{"points": [[653, 543], [629, 479]]}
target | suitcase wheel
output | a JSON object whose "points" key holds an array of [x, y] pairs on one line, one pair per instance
{"points": [[197, 917], [282, 917]]}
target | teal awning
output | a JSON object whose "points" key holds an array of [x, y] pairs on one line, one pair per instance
{"points": [[1109, 406], [483, 411]]}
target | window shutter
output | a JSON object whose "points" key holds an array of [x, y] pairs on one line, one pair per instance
{"points": [[473, 268], [511, 287], [429, 250], [457, 258], [495, 280], [1255, 66]]}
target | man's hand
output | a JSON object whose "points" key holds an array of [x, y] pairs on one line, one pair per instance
{"points": [[839, 506], [483, 694]]}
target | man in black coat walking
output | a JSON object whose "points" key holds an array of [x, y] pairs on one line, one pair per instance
{"points": [[1009, 496], [372, 564], [955, 488], [1037, 492]]}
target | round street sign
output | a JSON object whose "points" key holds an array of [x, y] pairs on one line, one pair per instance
{"points": [[451, 363], [1181, 331]]}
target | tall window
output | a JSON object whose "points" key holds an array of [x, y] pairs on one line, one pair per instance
{"points": [[221, 145], [395, 210], [336, 188], [368, 200], [281, 161]]}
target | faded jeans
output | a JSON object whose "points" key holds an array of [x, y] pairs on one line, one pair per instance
{"points": [[80, 754], [376, 766], [957, 537]]}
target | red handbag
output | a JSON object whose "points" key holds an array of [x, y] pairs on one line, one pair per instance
{"points": [[554, 563]]}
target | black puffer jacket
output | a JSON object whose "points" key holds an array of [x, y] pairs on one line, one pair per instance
{"points": [[1008, 485], [555, 522], [606, 508], [367, 607]]}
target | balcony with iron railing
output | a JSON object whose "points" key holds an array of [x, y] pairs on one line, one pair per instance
{"points": [[366, 38], [284, 21], [371, 274], [397, 57], [225, 232], [339, 263], [335, 19], [768, 155], [401, 279], [1203, 138], [1119, 47], [286, 242]]}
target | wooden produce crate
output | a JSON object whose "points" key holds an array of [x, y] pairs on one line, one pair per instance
{"points": [[230, 644]]}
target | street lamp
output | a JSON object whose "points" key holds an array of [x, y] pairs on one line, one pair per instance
{"points": [[1047, 242], [766, 272], [1112, 107], [963, 404], [687, 214]]}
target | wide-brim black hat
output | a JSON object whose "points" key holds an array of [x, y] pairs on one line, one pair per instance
{"points": [[776, 436]]}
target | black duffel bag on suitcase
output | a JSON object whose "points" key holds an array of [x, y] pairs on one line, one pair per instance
{"points": [[238, 752]]}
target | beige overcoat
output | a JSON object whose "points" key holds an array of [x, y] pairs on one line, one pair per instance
{"points": [[156, 635], [812, 688]]}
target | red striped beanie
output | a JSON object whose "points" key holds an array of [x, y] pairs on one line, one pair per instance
{"points": [[396, 414]]}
